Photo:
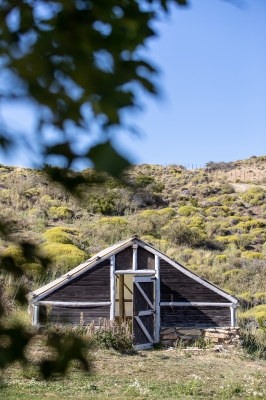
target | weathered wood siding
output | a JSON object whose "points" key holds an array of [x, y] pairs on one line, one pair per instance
{"points": [[124, 259], [93, 285], [72, 316], [176, 286], [140, 304], [191, 317], [146, 260]]}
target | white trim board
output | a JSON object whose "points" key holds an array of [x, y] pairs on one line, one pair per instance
{"points": [[192, 303], [187, 272], [73, 303]]}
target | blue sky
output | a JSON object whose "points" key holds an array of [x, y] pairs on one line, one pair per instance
{"points": [[213, 62], [212, 58]]}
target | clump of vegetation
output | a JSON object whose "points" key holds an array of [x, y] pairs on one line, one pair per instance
{"points": [[255, 196]]}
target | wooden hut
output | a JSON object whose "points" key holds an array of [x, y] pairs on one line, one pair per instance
{"points": [[133, 280]]}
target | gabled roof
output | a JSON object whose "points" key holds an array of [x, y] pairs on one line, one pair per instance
{"points": [[108, 252]]}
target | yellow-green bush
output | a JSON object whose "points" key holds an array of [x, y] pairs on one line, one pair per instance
{"points": [[246, 226], [32, 269], [46, 201], [63, 256], [60, 213], [221, 258], [196, 221], [29, 193], [252, 255], [187, 210], [245, 296], [169, 212], [148, 213], [254, 196], [218, 211], [58, 235], [227, 200], [5, 196], [114, 222], [260, 296], [227, 239], [16, 253], [254, 313], [232, 272]]}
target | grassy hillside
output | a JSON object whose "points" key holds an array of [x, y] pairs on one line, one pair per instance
{"points": [[212, 220]]}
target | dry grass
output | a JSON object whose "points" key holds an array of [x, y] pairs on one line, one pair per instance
{"points": [[156, 374]]}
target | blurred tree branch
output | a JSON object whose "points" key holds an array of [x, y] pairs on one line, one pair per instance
{"points": [[78, 63]]}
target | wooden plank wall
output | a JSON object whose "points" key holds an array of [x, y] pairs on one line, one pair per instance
{"points": [[124, 259], [176, 286], [72, 316], [93, 285], [195, 317], [140, 304], [146, 260]]}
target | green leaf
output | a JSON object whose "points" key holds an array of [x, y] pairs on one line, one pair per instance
{"points": [[106, 159]]}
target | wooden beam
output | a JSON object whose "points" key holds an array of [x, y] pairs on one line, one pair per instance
{"points": [[146, 312], [186, 303], [138, 272], [144, 295], [233, 315], [112, 287], [157, 319], [135, 257], [35, 314], [73, 303], [144, 329], [121, 299]]}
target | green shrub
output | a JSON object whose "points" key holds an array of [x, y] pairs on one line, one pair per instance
{"points": [[218, 211], [252, 255], [5, 196], [254, 313], [103, 204], [16, 253], [181, 234], [29, 193], [63, 256], [197, 222], [169, 212], [46, 201], [254, 196], [158, 187], [142, 180], [232, 272], [148, 213], [60, 235], [32, 269], [221, 258], [260, 296], [187, 210], [227, 239], [60, 213], [115, 222]]}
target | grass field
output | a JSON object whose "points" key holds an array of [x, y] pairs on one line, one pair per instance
{"points": [[156, 374]]}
